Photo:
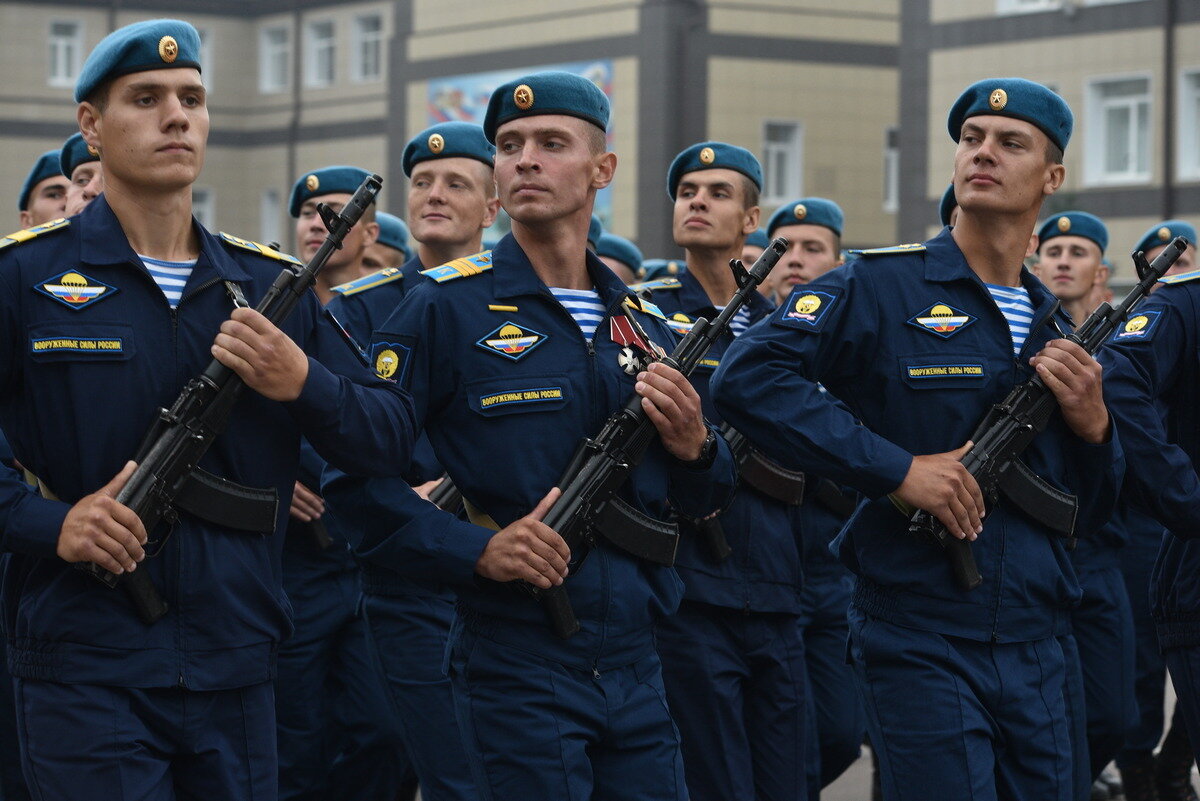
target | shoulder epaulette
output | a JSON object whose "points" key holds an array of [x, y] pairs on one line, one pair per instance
{"points": [[644, 306], [385, 276], [260, 249], [34, 232], [1180, 278], [658, 283], [461, 268], [912, 247]]}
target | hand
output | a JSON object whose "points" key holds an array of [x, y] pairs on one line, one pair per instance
{"points": [[102, 531], [306, 504], [527, 549], [428, 487], [1075, 379], [939, 484], [673, 406], [264, 357]]}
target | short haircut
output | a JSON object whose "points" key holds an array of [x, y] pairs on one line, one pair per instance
{"points": [[98, 97], [597, 140], [749, 193], [1054, 153]]}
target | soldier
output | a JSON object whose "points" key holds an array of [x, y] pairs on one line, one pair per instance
{"points": [[733, 660], [755, 244], [105, 316], [517, 355], [332, 186], [814, 231], [964, 691], [81, 166], [451, 201], [44, 194], [621, 256]]}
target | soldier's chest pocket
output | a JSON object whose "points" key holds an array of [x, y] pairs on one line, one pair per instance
{"points": [[942, 371], [498, 396], [80, 342]]}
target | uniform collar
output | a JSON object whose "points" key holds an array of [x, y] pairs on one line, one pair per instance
{"points": [[515, 275], [105, 242], [693, 298]]}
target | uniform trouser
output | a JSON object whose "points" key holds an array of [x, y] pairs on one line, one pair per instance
{"points": [[736, 686], [839, 722], [1103, 629], [537, 730], [953, 719], [409, 633], [1184, 666], [1150, 678], [12, 780], [1073, 698], [338, 737], [82, 741]]}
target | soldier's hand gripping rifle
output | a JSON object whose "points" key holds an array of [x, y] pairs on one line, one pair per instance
{"points": [[588, 505], [1011, 425], [166, 477]]}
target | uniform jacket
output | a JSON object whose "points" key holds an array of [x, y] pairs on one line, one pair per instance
{"points": [[90, 350], [763, 574], [1152, 385], [911, 341], [507, 388]]}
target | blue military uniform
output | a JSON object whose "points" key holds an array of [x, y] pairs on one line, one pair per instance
{"points": [[508, 387], [870, 332], [1150, 382], [84, 321]]}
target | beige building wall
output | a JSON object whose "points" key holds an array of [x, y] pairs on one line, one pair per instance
{"points": [[845, 116], [523, 21], [867, 21]]}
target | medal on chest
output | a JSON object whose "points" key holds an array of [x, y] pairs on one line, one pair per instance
{"points": [[638, 350]]}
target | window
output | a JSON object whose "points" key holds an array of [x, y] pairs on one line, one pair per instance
{"points": [[274, 57], [206, 62], [1117, 147], [269, 212], [204, 207], [319, 55], [66, 53], [1027, 6], [782, 166], [1189, 120], [891, 170], [367, 50]]}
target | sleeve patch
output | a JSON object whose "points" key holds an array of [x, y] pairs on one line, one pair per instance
{"points": [[1138, 327], [391, 358], [807, 309]]}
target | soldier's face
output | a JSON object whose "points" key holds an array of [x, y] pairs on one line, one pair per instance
{"points": [[811, 254], [621, 269], [47, 201], [450, 201], [153, 130], [87, 181], [1070, 266], [546, 170], [710, 210], [1186, 263], [1000, 166], [311, 231], [377, 256]]}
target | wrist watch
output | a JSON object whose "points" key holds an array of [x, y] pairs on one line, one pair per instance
{"points": [[708, 453]]}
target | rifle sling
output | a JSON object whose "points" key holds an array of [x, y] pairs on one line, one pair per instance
{"points": [[1044, 503], [227, 503]]}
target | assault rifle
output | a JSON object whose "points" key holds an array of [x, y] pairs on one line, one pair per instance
{"points": [[166, 478], [1011, 425], [588, 505]]}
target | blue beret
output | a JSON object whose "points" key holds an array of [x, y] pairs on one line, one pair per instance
{"points": [[45, 167], [1016, 98], [448, 140], [1074, 223], [595, 229], [808, 211], [1164, 232], [759, 239], [75, 151], [156, 44], [621, 249], [546, 93], [712, 156], [392, 231], [946, 207], [661, 268], [325, 181]]}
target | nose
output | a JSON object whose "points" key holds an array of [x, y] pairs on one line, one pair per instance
{"points": [[528, 157], [174, 113]]}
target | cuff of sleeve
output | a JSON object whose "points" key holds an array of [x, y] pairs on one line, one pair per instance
{"points": [[318, 398], [461, 544], [697, 490], [891, 468], [34, 528]]}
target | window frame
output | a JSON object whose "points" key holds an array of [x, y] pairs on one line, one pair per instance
{"points": [[359, 40], [796, 148], [313, 80], [1096, 145], [75, 53], [1186, 132], [267, 51]]}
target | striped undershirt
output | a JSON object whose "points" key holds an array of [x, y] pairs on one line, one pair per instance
{"points": [[171, 276], [1017, 309], [584, 305], [740, 321]]}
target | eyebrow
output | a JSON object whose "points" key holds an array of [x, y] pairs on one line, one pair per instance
{"points": [[1002, 133], [144, 86], [709, 184]]}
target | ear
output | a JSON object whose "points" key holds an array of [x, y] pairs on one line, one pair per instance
{"points": [[89, 123], [26, 219], [750, 221], [492, 209], [1034, 243], [604, 168], [1101, 275], [1054, 179], [370, 234]]}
